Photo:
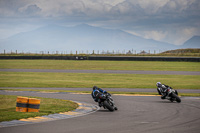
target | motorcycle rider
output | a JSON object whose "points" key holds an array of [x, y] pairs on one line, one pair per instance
{"points": [[96, 93], [162, 89]]}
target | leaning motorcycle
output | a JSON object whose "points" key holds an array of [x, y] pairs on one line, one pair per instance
{"points": [[107, 102], [172, 94]]}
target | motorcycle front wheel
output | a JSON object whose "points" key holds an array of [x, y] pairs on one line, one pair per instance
{"points": [[177, 98], [108, 106]]}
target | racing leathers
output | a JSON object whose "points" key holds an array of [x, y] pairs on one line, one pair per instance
{"points": [[162, 90], [96, 93]]}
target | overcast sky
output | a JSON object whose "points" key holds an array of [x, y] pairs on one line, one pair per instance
{"points": [[172, 21]]}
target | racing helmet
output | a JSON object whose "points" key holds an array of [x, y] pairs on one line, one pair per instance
{"points": [[158, 84], [94, 87]]}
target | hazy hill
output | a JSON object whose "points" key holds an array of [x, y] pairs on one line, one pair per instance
{"points": [[187, 50], [193, 42], [81, 37]]}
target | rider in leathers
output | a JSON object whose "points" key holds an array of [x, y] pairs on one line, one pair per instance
{"points": [[162, 89], [96, 93]]}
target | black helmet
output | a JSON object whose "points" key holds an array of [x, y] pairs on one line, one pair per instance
{"points": [[94, 87]]}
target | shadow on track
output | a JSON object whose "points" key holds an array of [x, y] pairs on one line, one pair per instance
{"points": [[103, 111], [165, 102]]}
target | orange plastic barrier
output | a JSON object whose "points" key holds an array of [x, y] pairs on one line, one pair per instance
{"points": [[33, 105], [22, 104], [25, 104]]}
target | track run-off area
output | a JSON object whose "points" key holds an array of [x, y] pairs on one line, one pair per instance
{"points": [[136, 114]]}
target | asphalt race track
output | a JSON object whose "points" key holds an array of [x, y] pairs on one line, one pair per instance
{"points": [[136, 114]]}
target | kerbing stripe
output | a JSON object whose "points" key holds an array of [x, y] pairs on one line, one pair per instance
{"points": [[83, 109]]}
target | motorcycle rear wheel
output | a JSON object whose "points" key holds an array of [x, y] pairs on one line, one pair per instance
{"points": [[108, 106]]}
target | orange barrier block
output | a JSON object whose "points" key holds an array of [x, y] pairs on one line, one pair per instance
{"points": [[33, 105], [22, 104]]}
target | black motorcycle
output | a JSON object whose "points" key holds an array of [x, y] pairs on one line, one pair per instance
{"points": [[107, 102], [172, 94]]}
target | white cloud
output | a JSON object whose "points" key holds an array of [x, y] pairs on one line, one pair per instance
{"points": [[95, 8], [75, 7], [176, 35], [30, 10], [156, 35], [152, 6], [184, 34], [165, 20]]}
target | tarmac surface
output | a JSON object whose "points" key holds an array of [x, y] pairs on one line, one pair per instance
{"points": [[136, 114]]}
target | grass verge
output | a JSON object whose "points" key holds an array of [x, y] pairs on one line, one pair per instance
{"points": [[87, 80], [47, 106], [100, 65]]}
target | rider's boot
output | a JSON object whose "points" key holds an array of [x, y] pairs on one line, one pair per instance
{"points": [[163, 97], [100, 104]]}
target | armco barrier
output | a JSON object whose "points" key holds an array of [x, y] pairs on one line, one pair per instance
{"points": [[25, 104], [116, 58], [144, 58], [45, 57]]}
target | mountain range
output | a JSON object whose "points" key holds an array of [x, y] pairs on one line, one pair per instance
{"points": [[85, 38], [193, 42]]}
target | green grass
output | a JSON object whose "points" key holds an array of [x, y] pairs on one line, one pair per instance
{"points": [[100, 65], [87, 80], [47, 106]]}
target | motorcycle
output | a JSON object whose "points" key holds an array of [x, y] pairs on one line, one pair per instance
{"points": [[172, 94], [107, 102]]}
